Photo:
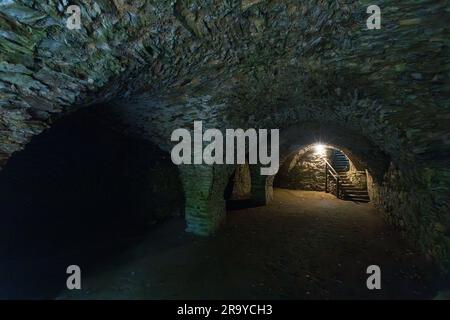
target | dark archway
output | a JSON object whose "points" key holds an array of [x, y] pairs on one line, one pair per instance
{"points": [[238, 191], [79, 193]]}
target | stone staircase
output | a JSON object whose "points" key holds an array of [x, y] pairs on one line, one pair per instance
{"points": [[349, 191]]}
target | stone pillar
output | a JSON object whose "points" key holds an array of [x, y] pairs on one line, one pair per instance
{"points": [[204, 194], [242, 183], [262, 186]]}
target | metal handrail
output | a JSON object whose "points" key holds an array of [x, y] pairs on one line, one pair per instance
{"points": [[329, 169], [333, 175]]}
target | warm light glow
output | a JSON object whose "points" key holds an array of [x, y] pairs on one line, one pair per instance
{"points": [[319, 148]]}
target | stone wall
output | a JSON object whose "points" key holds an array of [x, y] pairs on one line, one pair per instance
{"points": [[405, 204], [357, 177], [304, 170]]}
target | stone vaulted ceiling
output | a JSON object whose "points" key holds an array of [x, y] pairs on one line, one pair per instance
{"points": [[164, 64]]}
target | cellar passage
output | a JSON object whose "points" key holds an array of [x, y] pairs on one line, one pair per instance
{"points": [[310, 69]]}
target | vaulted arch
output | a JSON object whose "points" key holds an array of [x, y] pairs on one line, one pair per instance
{"points": [[378, 95]]}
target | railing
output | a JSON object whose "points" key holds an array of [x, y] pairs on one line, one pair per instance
{"points": [[329, 170]]}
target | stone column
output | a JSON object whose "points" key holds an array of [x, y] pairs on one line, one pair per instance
{"points": [[262, 186], [242, 182], [204, 194]]}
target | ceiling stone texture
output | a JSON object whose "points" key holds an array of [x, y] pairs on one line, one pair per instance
{"points": [[162, 64]]}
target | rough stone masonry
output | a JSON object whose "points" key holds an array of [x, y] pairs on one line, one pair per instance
{"points": [[261, 64]]}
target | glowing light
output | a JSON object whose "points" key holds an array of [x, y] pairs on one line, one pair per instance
{"points": [[319, 148]]}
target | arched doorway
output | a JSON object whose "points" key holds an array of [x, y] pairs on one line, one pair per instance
{"points": [[365, 159], [320, 167]]}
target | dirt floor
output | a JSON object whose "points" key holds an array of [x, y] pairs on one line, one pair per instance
{"points": [[304, 245]]}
